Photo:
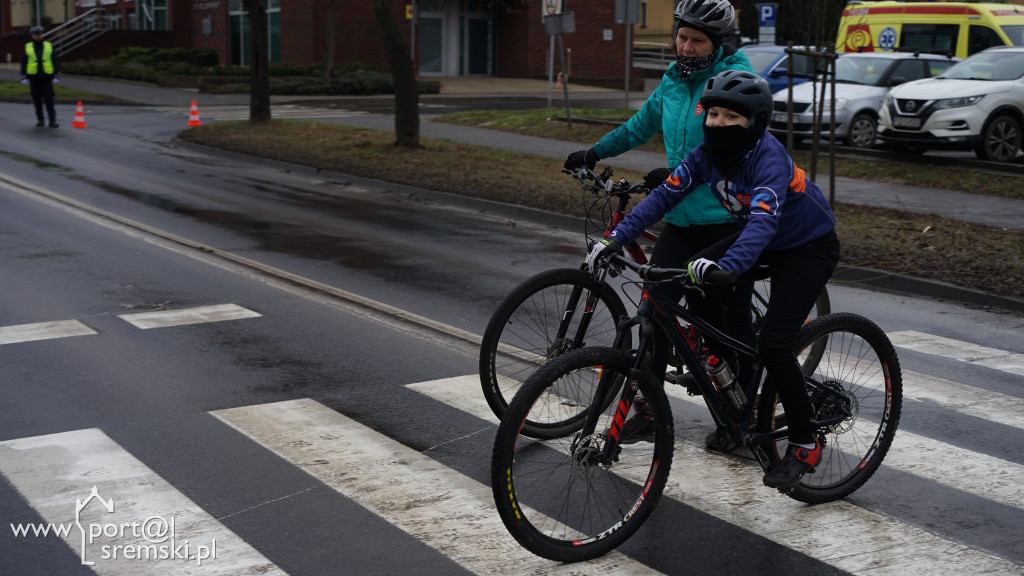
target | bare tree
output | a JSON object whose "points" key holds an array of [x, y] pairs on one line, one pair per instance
{"points": [[407, 113], [259, 61], [332, 7]]}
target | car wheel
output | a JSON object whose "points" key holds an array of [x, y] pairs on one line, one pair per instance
{"points": [[1000, 139], [863, 131]]}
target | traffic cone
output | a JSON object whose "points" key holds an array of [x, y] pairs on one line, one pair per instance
{"points": [[193, 116], [79, 117]]}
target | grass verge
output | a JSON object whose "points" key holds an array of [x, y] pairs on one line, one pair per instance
{"points": [[544, 122], [925, 246], [15, 91]]}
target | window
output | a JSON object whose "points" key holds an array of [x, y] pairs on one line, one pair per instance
{"points": [[908, 70], [1015, 34], [981, 37], [938, 38]]}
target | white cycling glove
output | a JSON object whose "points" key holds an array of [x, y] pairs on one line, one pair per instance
{"points": [[603, 249], [699, 267]]}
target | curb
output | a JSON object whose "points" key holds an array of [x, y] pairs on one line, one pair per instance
{"points": [[847, 275]]}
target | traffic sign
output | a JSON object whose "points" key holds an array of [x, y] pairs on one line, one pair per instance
{"points": [[766, 14]]}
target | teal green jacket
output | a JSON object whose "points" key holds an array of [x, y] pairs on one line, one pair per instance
{"points": [[673, 108]]}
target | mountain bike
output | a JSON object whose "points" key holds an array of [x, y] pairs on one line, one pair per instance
{"points": [[564, 309], [580, 495]]}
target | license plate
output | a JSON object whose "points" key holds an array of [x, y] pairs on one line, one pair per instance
{"points": [[780, 117], [901, 122]]}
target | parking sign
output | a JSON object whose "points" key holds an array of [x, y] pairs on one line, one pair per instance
{"points": [[766, 14]]}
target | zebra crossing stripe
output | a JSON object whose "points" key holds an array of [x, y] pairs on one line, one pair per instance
{"points": [[43, 331], [117, 514], [987, 476], [444, 509], [841, 534], [165, 318], [959, 350]]}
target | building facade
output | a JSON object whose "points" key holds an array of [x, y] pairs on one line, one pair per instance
{"points": [[483, 38]]}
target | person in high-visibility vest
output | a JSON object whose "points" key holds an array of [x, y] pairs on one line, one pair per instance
{"points": [[40, 69]]}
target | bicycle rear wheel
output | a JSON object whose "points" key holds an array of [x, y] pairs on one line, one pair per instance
{"points": [[523, 334], [858, 361], [555, 496]]}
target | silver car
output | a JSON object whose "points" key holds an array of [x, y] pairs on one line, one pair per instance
{"points": [[862, 82]]}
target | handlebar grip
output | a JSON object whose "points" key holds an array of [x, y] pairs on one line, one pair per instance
{"points": [[719, 277]]}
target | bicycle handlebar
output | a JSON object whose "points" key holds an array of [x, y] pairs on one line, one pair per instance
{"points": [[603, 182], [713, 277]]}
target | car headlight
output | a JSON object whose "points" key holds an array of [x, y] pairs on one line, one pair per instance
{"points": [[827, 105], [889, 100], [957, 102]]}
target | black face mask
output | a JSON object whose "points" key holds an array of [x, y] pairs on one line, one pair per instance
{"points": [[726, 146]]}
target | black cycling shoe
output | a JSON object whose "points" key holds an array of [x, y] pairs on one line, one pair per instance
{"points": [[797, 462], [640, 426]]}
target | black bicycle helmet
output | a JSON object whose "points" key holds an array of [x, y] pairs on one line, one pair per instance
{"points": [[716, 18], [742, 91]]}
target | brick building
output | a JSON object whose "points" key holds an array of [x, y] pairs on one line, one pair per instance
{"points": [[448, 37]]}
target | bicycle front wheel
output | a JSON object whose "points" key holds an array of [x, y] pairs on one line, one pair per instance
{"points": [[541, 319], [561, 498], [858, 385]]}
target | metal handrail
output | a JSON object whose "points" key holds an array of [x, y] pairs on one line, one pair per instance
{"points": [[76, 32]]}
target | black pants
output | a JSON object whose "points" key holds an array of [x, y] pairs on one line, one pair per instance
{"points": [[41, 87], [676, 246], [798, 275]]}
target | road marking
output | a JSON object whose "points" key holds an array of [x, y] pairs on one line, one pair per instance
{"points": [[972, 472], [442, 508], [841, 534], [959, 350], [43, 331], [165, 318], [55, 472]]}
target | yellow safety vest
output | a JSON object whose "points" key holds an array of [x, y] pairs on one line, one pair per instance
{"points": [[32, 66]]}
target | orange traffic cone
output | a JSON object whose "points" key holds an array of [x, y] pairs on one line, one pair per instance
{"points": [[193, 117], [79, 117]]}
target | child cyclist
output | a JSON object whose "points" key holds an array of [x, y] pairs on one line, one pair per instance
{"points": [[785, 223]]}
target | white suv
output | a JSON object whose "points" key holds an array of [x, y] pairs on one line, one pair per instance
{"points": [[978, 103]]}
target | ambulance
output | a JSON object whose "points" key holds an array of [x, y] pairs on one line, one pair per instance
{"points": [[957, 29]]}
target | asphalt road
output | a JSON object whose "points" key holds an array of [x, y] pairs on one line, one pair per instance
{"points": [[325, 418]]}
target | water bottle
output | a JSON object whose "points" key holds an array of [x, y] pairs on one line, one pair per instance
{"points": [[722, 377]]}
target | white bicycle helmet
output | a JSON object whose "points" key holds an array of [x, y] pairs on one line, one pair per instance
{"points": [[713, 17]]}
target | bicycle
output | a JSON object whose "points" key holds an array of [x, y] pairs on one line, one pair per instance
{"points": [[564, 309], [580, 495]]}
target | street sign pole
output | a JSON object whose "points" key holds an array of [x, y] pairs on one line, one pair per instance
{"points": [[556, 25], [627, 12]]}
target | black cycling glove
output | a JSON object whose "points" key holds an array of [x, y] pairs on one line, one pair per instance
{"points": [[655, 177], [581, 158]]}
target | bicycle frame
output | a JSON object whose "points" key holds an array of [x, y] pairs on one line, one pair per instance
{"points": [[635, 252], [664, 314]]}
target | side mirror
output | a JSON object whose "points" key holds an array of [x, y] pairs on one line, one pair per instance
{"points": [[779, 73], [897, 80]]}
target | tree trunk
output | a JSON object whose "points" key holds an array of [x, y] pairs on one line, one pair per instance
{"points": [[259, 62], [332, 7], [407, 112]]}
